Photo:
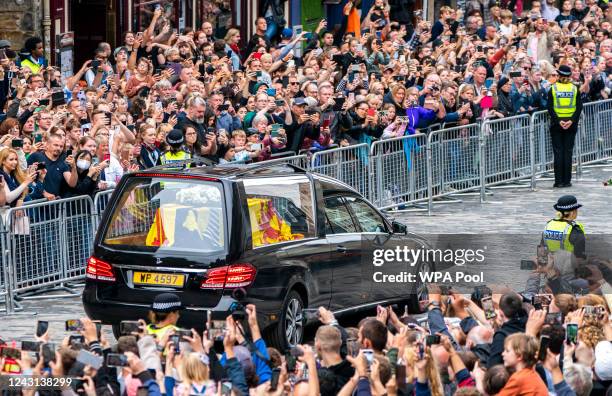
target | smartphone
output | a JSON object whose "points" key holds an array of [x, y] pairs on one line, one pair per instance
{"points": [[279, 102], [271, 92], [109, 116], [421, 351], [515, 74], [274, 379], [528, 265], [57, 98], [326, 123], [74, 325], [351, 96], [12, 353], [285, 81], [371, 112], [258, 74], [30, 346], [41, 166], [571, 333], [176, 342], [296, 352], [106, 157], [488, 83], [68, 152], [95, 64], [127, 327], [182, 333], [17, 143], [311, 111], [369, 355], [432, 339], [351, 77], [400, 376], [223, 107], [339, 102], [116, 360], [553, 318], [487, 306], [48, 352], [352, 347], [76, 339], [311, 314], [544, 342], [44, 102]]}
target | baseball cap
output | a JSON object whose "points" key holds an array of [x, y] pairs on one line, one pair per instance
{"points": [[5, 44], [287, 33], [299, 101], [119, 49]]}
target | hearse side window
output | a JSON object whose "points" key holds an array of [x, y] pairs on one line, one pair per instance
{"points": [[183, 215], [340, 220], [280, 209], [369, 219]]}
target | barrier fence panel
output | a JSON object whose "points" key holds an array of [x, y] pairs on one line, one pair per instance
{"points": [[398, 171], [453, 161], [79, 231], [604, 113], [4, 266], [588, 131], [507, 153], [36, 237], [99, 204], [347, 164], [540, 124]]}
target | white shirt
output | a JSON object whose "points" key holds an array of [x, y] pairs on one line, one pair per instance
{"points": [[113, 173]]}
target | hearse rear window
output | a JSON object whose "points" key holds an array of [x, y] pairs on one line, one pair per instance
{"points": [[280, 209], [168, 215]]}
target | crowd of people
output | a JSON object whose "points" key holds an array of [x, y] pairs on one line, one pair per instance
{"points": [[162, 97], [495, 342]]}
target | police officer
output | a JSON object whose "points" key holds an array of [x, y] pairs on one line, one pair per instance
{"points": [[175, 153], [164, 314], [564, 108], [563, 232]]}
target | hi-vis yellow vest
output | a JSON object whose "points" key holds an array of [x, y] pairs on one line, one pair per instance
{"points": [[159, 332], [33, 66], [170, 158], [556, 235], [564, 99]]}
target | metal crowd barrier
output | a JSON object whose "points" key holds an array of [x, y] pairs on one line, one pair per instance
{"points": [[347, 164], [507, 149], [398, 171], [453, 161], [46, 244]]}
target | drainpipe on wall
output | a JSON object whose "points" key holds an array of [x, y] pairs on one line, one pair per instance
{"points": [[46, 22]]}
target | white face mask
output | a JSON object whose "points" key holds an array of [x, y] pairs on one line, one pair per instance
{"points": [[83, 164]]}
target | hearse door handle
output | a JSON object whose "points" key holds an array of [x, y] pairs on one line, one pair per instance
{"points": [[341, 249]]}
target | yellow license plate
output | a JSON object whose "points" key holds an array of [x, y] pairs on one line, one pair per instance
{"points": [[158, 279]]}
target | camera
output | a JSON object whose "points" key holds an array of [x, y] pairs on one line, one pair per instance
{"points": [[237, 309]]}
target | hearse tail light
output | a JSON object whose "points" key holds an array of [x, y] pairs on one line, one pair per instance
{"points": [[232, 276], [99, 270]]}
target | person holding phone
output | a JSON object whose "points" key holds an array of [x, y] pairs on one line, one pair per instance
{"points": [[61, 170], [111, 170], [88, 175], [15, 180], [520, 356]]}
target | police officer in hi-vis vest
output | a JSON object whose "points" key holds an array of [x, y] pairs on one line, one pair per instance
{"points": [[563, 232], [564, 108], [164, 314]]}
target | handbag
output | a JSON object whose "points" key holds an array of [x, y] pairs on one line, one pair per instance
{"points": [[21, 224]]}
